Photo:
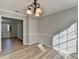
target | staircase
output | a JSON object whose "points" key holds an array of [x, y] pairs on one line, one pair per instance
{"points": [[35, 51]]}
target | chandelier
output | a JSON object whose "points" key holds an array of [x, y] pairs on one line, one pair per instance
{"points": [[34, 9]]}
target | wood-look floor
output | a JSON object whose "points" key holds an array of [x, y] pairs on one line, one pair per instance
{"points": [[34, 51], [10, 45]]}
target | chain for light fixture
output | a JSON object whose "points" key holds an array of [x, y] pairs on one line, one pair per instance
{"points": [[36, 9]]}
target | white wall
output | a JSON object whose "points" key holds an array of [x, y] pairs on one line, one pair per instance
{"points": [[28, 28], [45, 39], [16, 16], [42, 29], [33, 31], [12, 32], [55, 23], [16, 28], [20, 30], [0, 34]]}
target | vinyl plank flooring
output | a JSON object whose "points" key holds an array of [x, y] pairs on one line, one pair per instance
{"points": [[10, 45], [34, 51]]}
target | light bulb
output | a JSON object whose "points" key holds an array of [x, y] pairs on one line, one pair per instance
{"points": [[29, 12], [37, 14], [38, 10]]}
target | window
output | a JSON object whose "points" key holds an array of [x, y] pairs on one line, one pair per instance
{"points": [[8, 27], [67, 39], [63, 36]]}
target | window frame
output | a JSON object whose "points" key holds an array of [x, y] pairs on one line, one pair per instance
{"points": [[75, 29]]}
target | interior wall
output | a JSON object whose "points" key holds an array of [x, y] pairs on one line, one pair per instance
{"points": [[29, 28], [49, 26], [20, 30], [16, 29], [0, 33], [19, 17], [12, 32], [33, 31], [42, 29]]}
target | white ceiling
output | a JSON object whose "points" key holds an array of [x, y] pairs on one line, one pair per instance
{"points": [[48, 6]]}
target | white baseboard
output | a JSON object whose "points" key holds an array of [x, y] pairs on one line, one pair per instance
{"points": [[46, 45], [20, 38], [40, 38], [25, 43], [39, 43], [32, 43], [9, 37]]}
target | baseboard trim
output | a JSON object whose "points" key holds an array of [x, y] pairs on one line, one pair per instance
{"points": [[25, 43], [39, 43], [44, 34], [32, 43], [19, 38], [8, 37], [46, 45]]}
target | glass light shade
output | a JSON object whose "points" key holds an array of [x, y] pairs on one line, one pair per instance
{"points": [[29, 12], [37, 14], [38, 10]]}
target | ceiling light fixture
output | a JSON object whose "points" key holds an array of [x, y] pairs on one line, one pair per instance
{"points": [[36, 9]]}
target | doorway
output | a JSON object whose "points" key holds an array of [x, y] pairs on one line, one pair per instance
{"points": [[12, 34]]}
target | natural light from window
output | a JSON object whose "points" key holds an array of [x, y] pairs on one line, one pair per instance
{"points": [[67, 39], [8, 27]]}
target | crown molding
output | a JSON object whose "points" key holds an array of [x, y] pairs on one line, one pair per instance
{"points": [[47, 13], [12, 12]]}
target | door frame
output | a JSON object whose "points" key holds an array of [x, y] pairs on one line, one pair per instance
{"points": [[25, 36], [0, 34]]}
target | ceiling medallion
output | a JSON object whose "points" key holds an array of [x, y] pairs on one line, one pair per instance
{"points": [[34, 9]]}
